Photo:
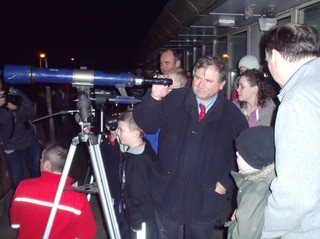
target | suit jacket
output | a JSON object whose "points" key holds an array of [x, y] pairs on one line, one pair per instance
{"points": [[193, 156]]}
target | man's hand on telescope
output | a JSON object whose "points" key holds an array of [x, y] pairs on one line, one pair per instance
{"points": [[159, 91]]}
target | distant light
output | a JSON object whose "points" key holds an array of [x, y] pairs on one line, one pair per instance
{"points": [[72, 59], [225, 21], [225, 56], [42, 55]]}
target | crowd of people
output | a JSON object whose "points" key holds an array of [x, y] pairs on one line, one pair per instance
{"points": [[175, 160]]}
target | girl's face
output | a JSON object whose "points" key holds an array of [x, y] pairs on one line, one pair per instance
{"points": [[127, 137], [246, 92]]}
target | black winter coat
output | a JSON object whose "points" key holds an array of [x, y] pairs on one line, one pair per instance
{"points": [[111, 160], [193, 156], [15, 134], [139, 168]]}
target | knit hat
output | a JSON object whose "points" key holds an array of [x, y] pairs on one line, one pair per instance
{"points": [[249, 62], [256, 146]]}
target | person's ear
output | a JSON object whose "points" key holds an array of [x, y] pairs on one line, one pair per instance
{"points": [[256, 89], [46, 166], [136, 133], [178, 63], [221, 85], [276, 57]]}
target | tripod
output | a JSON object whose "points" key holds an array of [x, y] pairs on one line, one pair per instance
{"points": [[98, 168]]}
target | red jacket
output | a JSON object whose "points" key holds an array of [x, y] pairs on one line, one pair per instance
{"points": [[31, 207]]}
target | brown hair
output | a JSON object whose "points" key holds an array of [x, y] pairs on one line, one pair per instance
{"points": [[265, 88], [127, 117], [212, 61], [293, 41]]}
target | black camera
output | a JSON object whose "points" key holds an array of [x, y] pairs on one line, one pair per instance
{"points": [[11, 98], [112, 122]]}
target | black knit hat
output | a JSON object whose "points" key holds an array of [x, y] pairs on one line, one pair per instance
{"points": [[256, 146]]}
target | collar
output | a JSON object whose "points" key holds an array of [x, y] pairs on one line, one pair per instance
{"points": [[207, 104], [133, 150], [291, 81], [255, 175], [55, 178]]}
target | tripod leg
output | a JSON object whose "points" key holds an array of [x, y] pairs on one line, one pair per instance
{"points": [[104, 192], [60, 188], [88, 179]]}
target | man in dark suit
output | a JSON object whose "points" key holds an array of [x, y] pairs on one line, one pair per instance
{"points": [[196, 155]]}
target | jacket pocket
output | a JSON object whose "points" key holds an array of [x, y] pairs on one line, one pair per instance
{"points": [[212, 203]]}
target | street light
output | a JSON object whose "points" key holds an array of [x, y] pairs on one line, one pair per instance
{"points": [[43, 58]]}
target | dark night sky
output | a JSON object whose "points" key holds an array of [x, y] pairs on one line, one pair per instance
{"points": [[99, 34]]}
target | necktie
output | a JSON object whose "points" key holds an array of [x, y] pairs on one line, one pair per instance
{"points": [[202, 112]]}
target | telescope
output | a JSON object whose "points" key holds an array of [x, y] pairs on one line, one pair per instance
{"points": [[84, 80], [23, 74], [104, 96]]}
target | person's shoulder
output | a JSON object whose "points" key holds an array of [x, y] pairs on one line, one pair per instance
{"points": [[232, 106], [148, 148], [315, 63], [105, 143], [29, 181], [78, 198], [178, 92], [270, 103], [177, 96], [236, 102], [28, 184], [234, 115]]}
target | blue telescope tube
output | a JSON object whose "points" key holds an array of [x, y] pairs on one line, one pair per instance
{"points": [[21, 74]]}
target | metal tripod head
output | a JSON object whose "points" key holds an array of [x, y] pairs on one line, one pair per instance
{"points": [[85, 109]]}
